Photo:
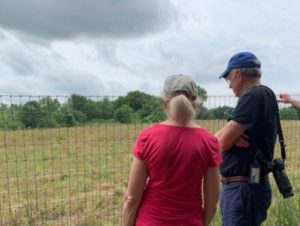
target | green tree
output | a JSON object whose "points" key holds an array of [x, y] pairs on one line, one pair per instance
{"points": [[141, 103], [298, 111], [78, 108], [202, 94], [90, 110], [65, 116], [121, 100], [223, 112], [10, 117], [31, 114], [78, 102], [49, 105], [152, 111], [136, 99], [124, 114], [80, 116], [68, 119], [105, 109], [50, 108], [288, 113], [204, 113]]}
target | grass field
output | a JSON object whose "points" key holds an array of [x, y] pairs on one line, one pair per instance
{"points": [[78, 175]]}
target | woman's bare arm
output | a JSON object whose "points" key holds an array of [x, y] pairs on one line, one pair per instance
{"points": [[211, 193], [137, 179]]}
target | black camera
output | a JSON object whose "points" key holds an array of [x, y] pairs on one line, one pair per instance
{"points": [[281, 179]]}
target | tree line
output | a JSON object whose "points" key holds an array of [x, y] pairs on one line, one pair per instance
{"points": [[136, 106]]}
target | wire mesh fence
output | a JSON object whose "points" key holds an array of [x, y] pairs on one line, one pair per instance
{"points": [[64, 160]]}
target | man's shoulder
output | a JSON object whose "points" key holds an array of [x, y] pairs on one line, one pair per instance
{"points": [[260, 90], [256, 93]]}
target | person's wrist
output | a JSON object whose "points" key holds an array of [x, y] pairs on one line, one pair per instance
{"points": [[291, 101]]}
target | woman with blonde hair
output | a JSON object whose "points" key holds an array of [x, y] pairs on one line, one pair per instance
{"points": [[174, 177]]}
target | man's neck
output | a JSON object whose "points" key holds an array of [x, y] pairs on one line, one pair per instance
{"points": [[250, 84]]}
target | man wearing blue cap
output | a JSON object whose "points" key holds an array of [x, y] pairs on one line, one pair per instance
{"points": [[247, 142]]}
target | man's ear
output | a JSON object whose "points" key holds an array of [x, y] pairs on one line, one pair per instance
{"points": [[238, 75]]}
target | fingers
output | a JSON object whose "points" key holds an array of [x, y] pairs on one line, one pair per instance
{"points": [[284, 98], [242, 141], [244, 136]]}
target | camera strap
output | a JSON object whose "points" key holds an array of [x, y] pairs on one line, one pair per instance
{"points": [[280, 134], [259, 155]]}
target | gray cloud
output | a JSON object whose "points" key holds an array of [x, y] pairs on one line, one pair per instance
{"points": [[19, 63], [107, 52], [23, 58], [81, 83], [105, 61], [63, 83], [64, 19], [2, 36]]}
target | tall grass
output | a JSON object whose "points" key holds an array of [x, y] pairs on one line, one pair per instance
{"points": [[78, 175]]}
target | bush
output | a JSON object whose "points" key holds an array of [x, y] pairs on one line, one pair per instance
{"points": [[288, 113], [124, 114]]}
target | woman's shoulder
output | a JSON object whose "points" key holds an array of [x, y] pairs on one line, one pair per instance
{"points": [[207, 136], [149, 129]]}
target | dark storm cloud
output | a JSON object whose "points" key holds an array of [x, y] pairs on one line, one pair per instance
{"points": [[66, 19]]}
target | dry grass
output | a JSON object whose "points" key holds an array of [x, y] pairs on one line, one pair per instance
{"points": [[77, 176]]}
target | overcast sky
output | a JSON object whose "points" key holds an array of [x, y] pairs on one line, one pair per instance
{"points": [[110, 47]]}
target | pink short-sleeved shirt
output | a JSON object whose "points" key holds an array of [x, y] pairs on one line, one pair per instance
{"points": [[176, 159]]}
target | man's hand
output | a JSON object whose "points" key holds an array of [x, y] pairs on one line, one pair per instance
{"points": [[284, 98], [242, 141], [230, 134]]}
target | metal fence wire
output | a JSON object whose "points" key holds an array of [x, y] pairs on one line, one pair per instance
{"points": [[65, 160]]}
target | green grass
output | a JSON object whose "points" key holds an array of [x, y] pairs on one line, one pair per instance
{"points": [[78, 175]]}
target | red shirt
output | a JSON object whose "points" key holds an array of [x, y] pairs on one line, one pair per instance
{"points": [[176, 159]]}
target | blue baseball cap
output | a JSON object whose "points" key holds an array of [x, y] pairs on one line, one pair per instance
{"points": [[241, 60]]}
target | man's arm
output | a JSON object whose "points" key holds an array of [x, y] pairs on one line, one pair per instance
{"points": [[230, 134], [286, 98]]}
